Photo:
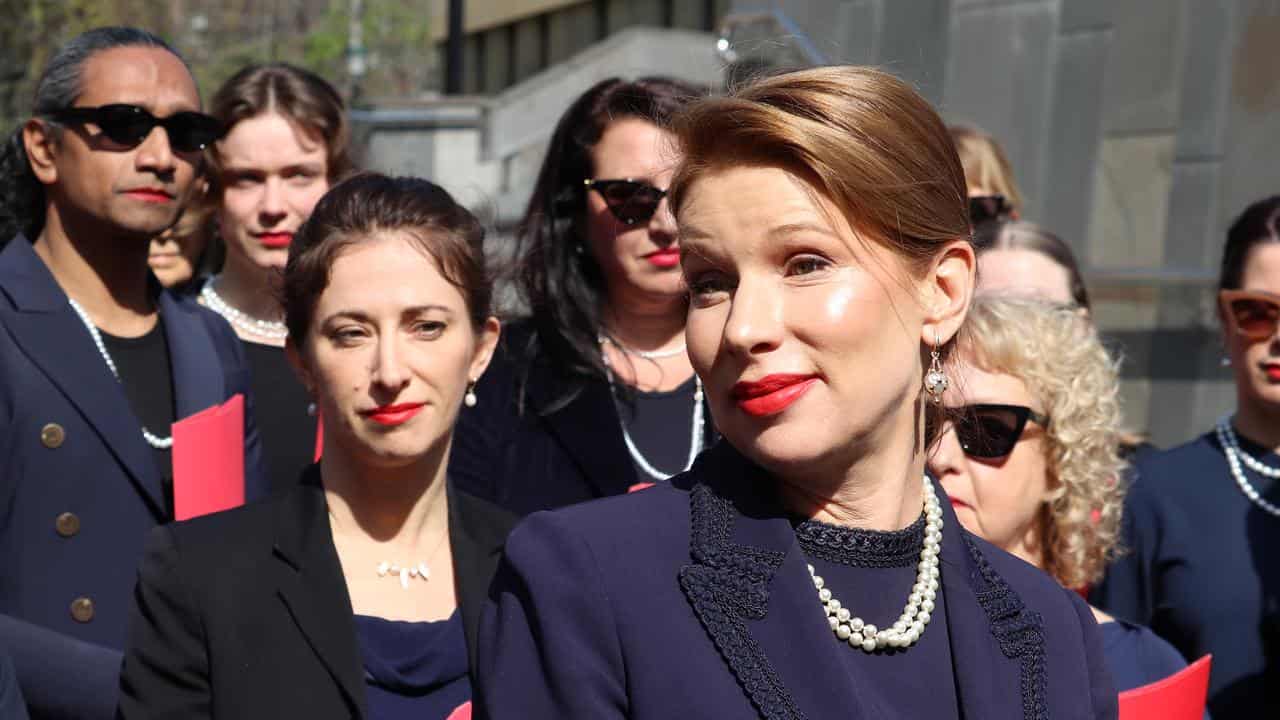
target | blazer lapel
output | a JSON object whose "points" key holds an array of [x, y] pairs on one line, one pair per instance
{"points": [[997, 644], [52, 336], [749, 586], [477, 531], [587, 427], [198, 380], [310, 582]]}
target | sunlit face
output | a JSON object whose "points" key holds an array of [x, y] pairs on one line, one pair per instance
{"points": [[997, 499], [807, 337], [390, 352], [273, 174], [1256, 364], [636, 260], [1024, 273], [131, 190]]}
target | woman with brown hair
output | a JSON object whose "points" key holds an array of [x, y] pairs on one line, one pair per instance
{"points": [[1203, 518], [806, 566], [284, 144], [356, 593]]}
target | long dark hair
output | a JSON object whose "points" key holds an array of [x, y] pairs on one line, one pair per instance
{"points": [[1259, 223], [21, 194], [1022, 235], [558, 281]]}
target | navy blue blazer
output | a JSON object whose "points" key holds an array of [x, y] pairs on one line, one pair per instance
{"points": [[693, 600], [79, 486], [525, 448]]}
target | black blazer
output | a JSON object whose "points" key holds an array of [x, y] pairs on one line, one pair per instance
{"points": [[245, 614], [527, 459], [692, 600], [79, 487]]}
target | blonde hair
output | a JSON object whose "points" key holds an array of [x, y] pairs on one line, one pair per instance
{"points": [[1055, 351], [859, 137], [985, 164]]}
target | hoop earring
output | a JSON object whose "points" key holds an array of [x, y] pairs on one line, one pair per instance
{"points": [[935, 381], [470, 399]]}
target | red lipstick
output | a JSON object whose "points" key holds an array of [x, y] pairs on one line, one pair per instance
{"points": [[392, 415], [150, 195], [667, 257], [1272, 371], [771, 394], [275, 240]]}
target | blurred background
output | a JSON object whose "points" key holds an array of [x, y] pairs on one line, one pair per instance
{"points": [[1137, 129]]}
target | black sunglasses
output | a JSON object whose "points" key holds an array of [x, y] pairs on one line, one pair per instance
{"points": [[991, 430], [988, 207], [631, 201], [129, 125]]}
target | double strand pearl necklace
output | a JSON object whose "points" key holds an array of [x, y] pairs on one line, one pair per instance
{"points": [[919, 610], [1231, 448], [155, 441], [270, 329], [696, 427]]}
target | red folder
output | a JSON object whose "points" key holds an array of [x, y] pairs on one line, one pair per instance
{"points": [[1180, 696], [208, 460]]}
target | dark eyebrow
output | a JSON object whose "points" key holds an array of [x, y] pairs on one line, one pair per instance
{"points": [[362, 316]]}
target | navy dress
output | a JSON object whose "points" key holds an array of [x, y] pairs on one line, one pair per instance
{"points": [[1203, 571], [413, 669], [1136, 656], [692, 599]]}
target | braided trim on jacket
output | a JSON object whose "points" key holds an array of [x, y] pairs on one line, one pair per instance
{"points": [[728, 582], [862, 548], [1019, 631]]}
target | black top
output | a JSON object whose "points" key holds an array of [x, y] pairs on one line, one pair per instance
{"points": [[145, 374], [871, 573], [413, 669], [539, 439], [1136, 656], [660, 425], [288, 431], [1202, 571]]}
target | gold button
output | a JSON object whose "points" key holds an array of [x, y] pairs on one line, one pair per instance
{"points": [[82, 609], [67, 524], [52, 435]]}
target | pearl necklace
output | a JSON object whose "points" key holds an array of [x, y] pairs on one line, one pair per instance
{"points": [[645, 354], [155, 441], [1231, 448], [919, 610], [696, 429], [419, 571], [271, 329]]}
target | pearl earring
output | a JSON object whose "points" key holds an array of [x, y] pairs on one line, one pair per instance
{"points": [[935, 381], [470, 399]]}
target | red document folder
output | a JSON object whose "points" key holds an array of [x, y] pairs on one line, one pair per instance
{"points": [[1178, 697], [208, 460]]}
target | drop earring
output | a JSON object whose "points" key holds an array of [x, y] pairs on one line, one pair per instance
{"points": [[935, 381], [470, 399]]}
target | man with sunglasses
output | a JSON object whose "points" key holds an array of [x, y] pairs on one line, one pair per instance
{"points": [[97, 361]]}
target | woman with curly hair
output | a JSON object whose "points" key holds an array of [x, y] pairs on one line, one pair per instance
{"points": [[1029, 458]]}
